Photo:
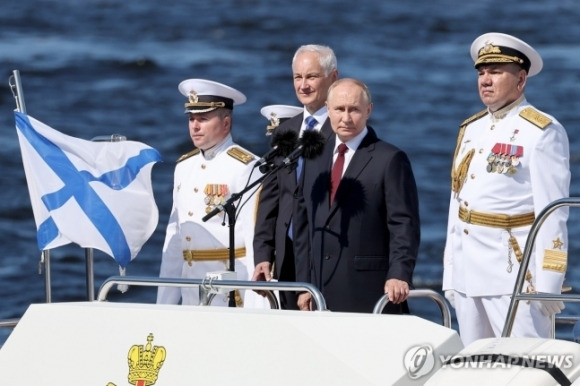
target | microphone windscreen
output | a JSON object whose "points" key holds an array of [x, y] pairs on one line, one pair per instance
{"points": [[286, 141], [313, 144]]}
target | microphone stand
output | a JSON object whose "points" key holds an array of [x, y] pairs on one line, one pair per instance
{"points": [[230, 209]]}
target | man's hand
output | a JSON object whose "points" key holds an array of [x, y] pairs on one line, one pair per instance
{"points": [[262, 273], [549, 307], [398, 290], [305, 301]]}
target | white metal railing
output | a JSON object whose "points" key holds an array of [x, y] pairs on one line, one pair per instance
{"points": [[518, 295], [421, 293], [209, 287]]}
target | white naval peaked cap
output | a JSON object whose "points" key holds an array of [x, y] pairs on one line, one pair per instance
{"points": [[206, 95], [280, 111], [495, 47], [277, 114]]}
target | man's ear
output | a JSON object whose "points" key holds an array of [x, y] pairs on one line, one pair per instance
{"points": [[523, 76], [228, 122]]}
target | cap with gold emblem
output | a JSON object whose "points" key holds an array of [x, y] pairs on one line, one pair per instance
{"points": [[277, 114], [495, 47], [206, 95]]}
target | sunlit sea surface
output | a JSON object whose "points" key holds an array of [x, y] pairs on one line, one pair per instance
{"points": [[92, 68]]}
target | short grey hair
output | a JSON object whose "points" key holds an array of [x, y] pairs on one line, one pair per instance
{"points": [[365, 90], [325, 55]]}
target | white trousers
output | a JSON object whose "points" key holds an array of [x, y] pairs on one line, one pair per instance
{"points": [[485, 316]]}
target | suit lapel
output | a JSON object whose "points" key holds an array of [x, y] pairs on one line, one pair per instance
{"points": [[360, 159], [326, 130], [293, 124], [319, 179], [328, 135]]}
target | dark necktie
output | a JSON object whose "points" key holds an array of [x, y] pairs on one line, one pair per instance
{"points": [[310, 123], [336, 173]]}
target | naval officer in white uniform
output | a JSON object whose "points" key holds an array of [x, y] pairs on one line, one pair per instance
{"points": [[204, 178], [511, 160]]}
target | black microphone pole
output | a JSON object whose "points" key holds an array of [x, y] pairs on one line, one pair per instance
{"points": [[231, 212]]}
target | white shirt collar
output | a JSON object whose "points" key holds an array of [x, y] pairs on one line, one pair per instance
{"points": [[220, 147], [354, 143], [504, 111], [319, 115]]}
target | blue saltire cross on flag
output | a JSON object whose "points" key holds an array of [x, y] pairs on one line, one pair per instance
{"points": [[95, 194]]}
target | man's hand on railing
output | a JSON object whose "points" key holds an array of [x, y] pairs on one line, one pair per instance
{"points": [[398, 290], [262, 272], [305, 301], [549, 308]]}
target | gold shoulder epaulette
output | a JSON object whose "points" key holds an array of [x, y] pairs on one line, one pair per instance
{"points": [[240, 154], [535, 117], [474, 117], [187, 155]]}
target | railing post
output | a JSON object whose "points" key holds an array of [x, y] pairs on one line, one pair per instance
{"points": [[15, 84], [517, 294]]}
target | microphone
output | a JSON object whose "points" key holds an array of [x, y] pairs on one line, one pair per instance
{"points": [[310, 146], [313, 143], [282, 144]]}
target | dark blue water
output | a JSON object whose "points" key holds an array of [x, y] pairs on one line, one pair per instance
{"points": [[93, 68]]}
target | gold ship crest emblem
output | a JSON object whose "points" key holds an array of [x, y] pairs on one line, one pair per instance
{"points": [[144, 362]]}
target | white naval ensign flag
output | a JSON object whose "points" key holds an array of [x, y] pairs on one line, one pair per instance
{"points": [[95, 194]]}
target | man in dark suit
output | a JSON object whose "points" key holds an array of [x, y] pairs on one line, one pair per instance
{"points": [[360, 241], [314, 69]]}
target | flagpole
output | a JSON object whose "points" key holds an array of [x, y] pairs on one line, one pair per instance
{"points": [[16, 87]]}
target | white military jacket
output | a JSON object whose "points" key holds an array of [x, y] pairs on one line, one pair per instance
{"points": [[202, 181], [520, 164]]}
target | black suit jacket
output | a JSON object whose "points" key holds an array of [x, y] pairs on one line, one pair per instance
{"points": [[370, 233], [276, 201]]}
